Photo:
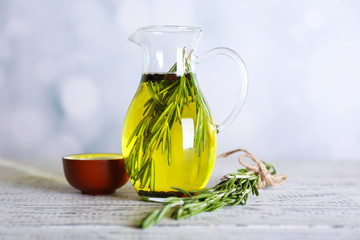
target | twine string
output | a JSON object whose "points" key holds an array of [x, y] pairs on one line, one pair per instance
{"points": [[265, 177]]}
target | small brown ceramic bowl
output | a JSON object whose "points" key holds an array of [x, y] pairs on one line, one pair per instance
{"points": [[95, 173]]}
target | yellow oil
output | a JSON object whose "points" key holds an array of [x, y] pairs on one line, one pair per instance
{"points": [[189, 169]]}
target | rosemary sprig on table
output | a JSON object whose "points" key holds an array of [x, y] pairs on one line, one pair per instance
{"points": [[233, 189], [162, 110]]}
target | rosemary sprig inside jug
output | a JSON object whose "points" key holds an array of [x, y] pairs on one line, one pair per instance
{"points": [[170, 94]]}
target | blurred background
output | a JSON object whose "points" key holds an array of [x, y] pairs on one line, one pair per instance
{"points": [[68, 74]]}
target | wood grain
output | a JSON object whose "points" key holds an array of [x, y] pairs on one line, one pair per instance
{"points": [[318, 201]]}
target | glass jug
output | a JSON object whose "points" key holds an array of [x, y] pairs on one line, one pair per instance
{"points": [[169, 136]]}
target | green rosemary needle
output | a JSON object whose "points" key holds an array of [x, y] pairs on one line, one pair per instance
{"points": [[233, 189]]}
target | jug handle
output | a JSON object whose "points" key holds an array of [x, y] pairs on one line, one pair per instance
{"points": [[239, 102]]}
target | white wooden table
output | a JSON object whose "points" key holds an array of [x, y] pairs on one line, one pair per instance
{"points": [[320, 200]]}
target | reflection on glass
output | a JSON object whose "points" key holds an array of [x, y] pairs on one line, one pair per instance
{"points": [[188, 132]]}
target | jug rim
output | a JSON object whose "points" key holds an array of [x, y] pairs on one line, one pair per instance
{"points": [[169, 29]]}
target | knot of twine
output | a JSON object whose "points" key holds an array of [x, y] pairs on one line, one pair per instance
{"points": [[265, 177]]}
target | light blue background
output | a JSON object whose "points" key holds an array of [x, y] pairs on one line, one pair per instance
{"points": [[68, 74]]}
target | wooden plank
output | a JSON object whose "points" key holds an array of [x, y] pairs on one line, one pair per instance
{"points": [[318, 201]]}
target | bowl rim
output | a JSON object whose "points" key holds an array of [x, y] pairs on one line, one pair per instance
{"points": [[93, 156]]}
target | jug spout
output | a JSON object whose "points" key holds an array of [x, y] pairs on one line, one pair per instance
{"points": [[135, 37]]}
